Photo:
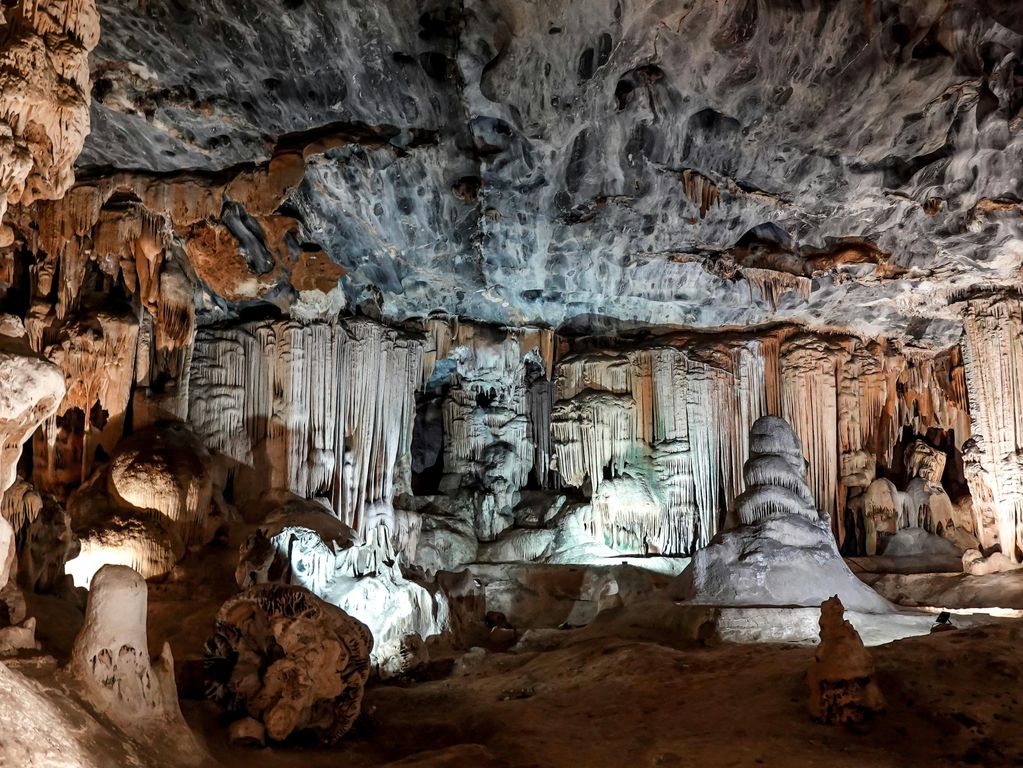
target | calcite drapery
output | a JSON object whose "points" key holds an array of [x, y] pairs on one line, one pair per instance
{"points": [[993, 354], [44, 97], [321, 409]]}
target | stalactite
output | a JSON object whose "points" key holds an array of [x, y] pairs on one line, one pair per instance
{"points": [[590, 432], [97, 356], [710, 404], [701, 190], [993, 356], [755, 362], [21, 505], [44, 104], [772, 285], [319, 409], [809, 366]]}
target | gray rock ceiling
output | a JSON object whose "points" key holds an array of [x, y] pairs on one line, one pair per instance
{"points": [[605, 162]]}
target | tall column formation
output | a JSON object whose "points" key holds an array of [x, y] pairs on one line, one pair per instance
{"points": [[44, 98], [993, 355], [320, 409]]}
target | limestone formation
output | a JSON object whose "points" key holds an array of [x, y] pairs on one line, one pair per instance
{"points": [[144, 508], [301, 544], [44, 98], [165, 470], [31, 388], [110, 658], [285, 658], [841, 679], [786, 554], [42, 529]]}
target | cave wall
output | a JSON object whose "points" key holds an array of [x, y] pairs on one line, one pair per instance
{"points": [[606, 236]]}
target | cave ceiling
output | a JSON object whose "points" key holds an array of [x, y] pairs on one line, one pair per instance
{"points": [[596, 163]]}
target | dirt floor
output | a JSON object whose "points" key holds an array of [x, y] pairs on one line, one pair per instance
{"points": [[619, 693], [953, 699]]}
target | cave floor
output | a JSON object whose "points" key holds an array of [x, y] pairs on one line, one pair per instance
{"points": [[953, 699]]}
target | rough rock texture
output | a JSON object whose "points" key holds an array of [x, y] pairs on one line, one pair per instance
{"points": [[286, 658], [619, 159], [31, 389], [786, 555], [44, 97], [42, 529], [146, 506], [301, 543], [841, 680], [165, 470]]}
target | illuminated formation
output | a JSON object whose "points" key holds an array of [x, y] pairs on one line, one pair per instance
{"points": [[433, 379]]}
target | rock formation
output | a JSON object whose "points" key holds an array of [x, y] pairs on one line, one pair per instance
{"points": [[841, 679], [44, 106], [301, 543], [146, 506], [285, 658], [110, 667], [783, 553]]}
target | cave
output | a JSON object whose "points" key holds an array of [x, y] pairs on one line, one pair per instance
{"points": [[495, 383]]}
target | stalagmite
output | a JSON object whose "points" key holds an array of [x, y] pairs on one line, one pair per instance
{"points": [[110, 657], [841, 679], [783, 553]]}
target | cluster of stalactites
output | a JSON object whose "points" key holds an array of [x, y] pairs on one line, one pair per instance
{"points": [[773, 286], [44, 98], [775, 474], [668, 410], [993, 355], [324, 410], [97, 356]]}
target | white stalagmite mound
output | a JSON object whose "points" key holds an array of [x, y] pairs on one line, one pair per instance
{"points": [[301, 543], [783, 553], [112, 670]]}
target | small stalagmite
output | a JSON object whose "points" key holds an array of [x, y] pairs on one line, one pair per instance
{"points": [[841, 679]]}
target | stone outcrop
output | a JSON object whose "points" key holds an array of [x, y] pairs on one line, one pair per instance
{"points": [[283, 657]]}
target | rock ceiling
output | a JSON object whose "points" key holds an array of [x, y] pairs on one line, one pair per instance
{"points": [[590, 163]]}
